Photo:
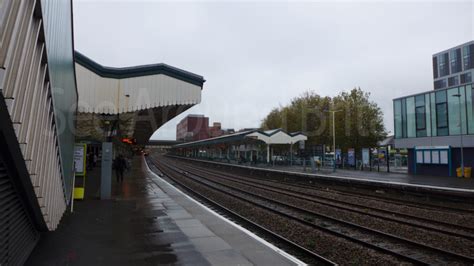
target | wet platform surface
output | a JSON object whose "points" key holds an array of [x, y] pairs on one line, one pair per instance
{"points": [[148, 222]]}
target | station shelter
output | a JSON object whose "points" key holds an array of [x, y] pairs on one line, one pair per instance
{"points": [[244, 146]]}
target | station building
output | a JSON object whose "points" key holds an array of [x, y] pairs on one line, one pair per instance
{"points": [[436, 124], [50, 98]]}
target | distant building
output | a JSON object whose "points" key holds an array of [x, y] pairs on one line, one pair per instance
{"points": [[454, 67], [434, 125], [228, 131], [215, 130], [193, 127]]}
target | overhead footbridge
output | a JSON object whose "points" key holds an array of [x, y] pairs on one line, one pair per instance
{"points": [[133, 101]]}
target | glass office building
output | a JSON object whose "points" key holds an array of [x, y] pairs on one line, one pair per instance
{"points": [[435, 113], [434, 125], [454, 67]]}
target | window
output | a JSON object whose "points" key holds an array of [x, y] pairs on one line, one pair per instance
{"points": [[397, 106], [468, 56], [435, 67], [455, 111], [470, 108], [428, 114], [453, 81], [411, 117], [466, 78], [455, 60], [441, 114], [420, 116], [443, 65], [440, 84], [433, 114], [404, 118]]}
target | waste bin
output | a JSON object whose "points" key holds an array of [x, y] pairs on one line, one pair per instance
{"points": [[467, 172], [459, 172]]}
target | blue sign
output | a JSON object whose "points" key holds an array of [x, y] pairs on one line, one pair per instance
{"points": [[351, 156]]}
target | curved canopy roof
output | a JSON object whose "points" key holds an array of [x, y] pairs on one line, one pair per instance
{"points": [[275, 136], [140, 98]]}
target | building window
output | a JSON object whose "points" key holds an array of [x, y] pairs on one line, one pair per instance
{"points": [[443, 65], [455, 111], [440, 84], [411, 117], [466, 78], [404, 118], [470, 108], [420, 116], [435, 67], [433, 114], [441, 114], [455, 59], [397, 106], [453, 81], [468, 56]]}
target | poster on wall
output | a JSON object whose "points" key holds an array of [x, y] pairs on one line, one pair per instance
{"points": [[365, 156], [351, 156], [80, 159]]}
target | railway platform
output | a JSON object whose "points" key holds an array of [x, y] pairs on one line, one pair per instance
{"points": [[382, 179], [149, 222]]}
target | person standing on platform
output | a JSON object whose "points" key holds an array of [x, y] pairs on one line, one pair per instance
{"points": [[119, 166]]}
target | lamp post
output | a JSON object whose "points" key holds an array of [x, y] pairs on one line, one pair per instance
{"points": [[333, 137], [460, 133]]}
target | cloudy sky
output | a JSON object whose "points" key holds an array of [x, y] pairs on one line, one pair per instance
{"points": [[259, 55]]}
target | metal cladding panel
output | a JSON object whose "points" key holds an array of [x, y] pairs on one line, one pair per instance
{"points": [[57, 19], [105, 95]]}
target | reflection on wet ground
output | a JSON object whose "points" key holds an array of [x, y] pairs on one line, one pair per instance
{"points": [[134, 228]]}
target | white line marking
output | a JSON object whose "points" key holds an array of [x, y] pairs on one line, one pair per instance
{"points": [[251, 234], [341, 177]]}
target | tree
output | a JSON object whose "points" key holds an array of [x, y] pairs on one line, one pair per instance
{"points": [[359, 122]]}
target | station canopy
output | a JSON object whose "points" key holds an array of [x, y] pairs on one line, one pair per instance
{"points": [[269, 137], [131, 102]]}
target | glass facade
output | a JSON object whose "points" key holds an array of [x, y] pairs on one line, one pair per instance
{"points": [[443, 65], [439, 113], [468, 56], [455, 60], [435, 67]]}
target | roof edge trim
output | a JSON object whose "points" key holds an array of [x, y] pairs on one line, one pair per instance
{"points": [[138, 71]]}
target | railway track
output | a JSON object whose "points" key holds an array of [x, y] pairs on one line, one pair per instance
{"points": [[306, 185], [450, 229], [404, 249], [310, 256]]}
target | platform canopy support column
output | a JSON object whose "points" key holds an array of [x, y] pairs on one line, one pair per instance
{"points": [[268, 153]]}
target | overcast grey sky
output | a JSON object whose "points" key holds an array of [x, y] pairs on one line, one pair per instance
{"points": [[258, 55]]}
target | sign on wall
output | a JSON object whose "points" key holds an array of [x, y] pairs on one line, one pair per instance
{"points": [[80, 159], [365, 156]]}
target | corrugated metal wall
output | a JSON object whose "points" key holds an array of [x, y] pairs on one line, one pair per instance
{"points": [[57, 19], [38, 89]]}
